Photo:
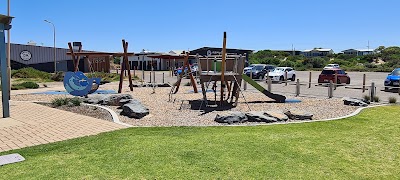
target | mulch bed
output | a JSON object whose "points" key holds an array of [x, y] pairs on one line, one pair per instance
{"points": [[85, 110]]}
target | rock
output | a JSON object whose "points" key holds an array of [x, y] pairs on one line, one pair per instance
{"points": [[134, 109], [124, 101], [355, 102], [256, 116], [106, 99], [298, 115], [163, 85], [231, 117], [280, 116]]}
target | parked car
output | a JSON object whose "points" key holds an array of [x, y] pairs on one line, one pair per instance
{"points": [[278, 74], [258, 71], [393, 79], [329, 74], [331, 66], [249, 68]]}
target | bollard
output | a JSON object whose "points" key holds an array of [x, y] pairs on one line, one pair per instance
{"points": [[154, 76], [285, 78], [330, 89], [372, 91], [309, 80], [163, 78], [336, 78], [134, 71], [245, 86], [298, 87], [150, 76], [269, 81], [364, 78]]}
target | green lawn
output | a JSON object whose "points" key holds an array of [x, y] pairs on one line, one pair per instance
{"points": [[362, 147]]}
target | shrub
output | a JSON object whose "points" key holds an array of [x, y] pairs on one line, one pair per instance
{"points": [[24, 85], [376, 99], [392, 100], [187, 84], [66, 101], [58, 76], [30, 73], [367, 98]]}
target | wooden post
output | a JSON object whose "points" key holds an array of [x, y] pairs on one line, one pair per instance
{"points": [[285, 78], [163, 80], [134, 71], [372, 91], [150, 76], [330, 89], [192, 81], [269, 81], [364, 79], [223, 67], [298, 87], [309, 80], [125, 45]]}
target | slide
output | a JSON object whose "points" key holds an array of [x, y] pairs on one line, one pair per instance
{"points": [[277, 97]]}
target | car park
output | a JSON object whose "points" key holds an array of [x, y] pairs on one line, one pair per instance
{"points": [[328, 75], [278, 74], [393, 79]]}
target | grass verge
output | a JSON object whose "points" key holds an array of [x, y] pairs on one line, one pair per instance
{"points": [[366, 146]]}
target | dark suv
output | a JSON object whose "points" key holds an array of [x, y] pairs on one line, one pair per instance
{"points": [[259, 71], [329, 74]]}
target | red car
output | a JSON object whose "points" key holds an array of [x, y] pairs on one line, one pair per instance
{"points": [[329, 74]]}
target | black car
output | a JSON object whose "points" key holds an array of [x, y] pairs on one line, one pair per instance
{"points": [[259, 71]]}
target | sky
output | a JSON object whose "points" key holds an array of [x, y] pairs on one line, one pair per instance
{"points": [[158, 25]]}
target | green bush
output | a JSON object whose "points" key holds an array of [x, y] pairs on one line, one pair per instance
{"points": [[58, 76], [392, 100], [66, 101], [24, 85], [367, 98], [30, 73], [376, 99]]}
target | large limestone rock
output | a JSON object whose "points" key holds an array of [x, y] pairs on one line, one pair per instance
{"points": [[355, 102], [106, 99], [134, 109], [299, 115], [280, 116], [256, 116], [231, 117]]}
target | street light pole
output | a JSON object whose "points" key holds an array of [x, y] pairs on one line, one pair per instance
{"points": [[54, 38], [8, 51]]}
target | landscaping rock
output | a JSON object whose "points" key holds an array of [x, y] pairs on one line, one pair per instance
{"points": [[280, 116], [298, 115], [355, 102], [231, 117], [106, 99], [256, 116], [134, 109]]}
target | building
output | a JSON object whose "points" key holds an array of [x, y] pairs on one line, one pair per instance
{"points": [[205, 51], [358, 52], [42, 58], [317, 52]]}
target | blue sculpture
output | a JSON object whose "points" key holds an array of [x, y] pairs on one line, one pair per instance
{"points": [[77, 84]]}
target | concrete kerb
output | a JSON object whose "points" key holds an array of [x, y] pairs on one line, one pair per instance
{"points": [[113, 114]]}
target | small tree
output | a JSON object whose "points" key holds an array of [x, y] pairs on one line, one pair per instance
{"points": [[117, 60]]}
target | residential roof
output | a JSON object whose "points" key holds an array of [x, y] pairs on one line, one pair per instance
{"points": [[317, 50]]}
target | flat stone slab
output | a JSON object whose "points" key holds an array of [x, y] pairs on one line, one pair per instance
{"points": [[257, 116], [280, 116], [355, 102], [11, 158], [231, 117], [299, 115]]}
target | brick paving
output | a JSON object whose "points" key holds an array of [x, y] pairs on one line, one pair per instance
{"points": [[33, 124]]}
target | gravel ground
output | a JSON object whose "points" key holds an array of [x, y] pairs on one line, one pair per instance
{"points": [[183, 111]]}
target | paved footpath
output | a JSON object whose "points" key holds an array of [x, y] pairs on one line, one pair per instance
{"points": [[33, 124]]}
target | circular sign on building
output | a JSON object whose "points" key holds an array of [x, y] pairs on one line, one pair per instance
{"points": [[209, 53], [25, 55]]}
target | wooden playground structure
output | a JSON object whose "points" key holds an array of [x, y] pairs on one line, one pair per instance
{"points": [[225, 71], [88, 55]]}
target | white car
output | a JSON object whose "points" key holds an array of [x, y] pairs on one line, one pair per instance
{"points": [[332, 66], [279, 74]]}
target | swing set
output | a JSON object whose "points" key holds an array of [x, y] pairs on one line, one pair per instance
{"points": [[88, 55]]}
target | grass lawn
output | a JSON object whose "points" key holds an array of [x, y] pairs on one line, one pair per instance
{"points": [[362, 147]]}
